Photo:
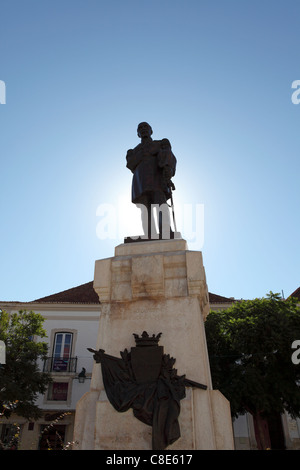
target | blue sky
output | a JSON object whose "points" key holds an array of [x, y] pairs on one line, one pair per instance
{"points": [[214, 77]]}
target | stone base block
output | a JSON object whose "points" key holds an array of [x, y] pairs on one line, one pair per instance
{"points": [[158, 287], [204, 420]]}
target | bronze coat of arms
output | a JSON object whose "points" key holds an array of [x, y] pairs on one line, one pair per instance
{"points": [[144, 379]]}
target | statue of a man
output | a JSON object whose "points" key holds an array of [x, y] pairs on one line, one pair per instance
{"points": [[153, 165]]}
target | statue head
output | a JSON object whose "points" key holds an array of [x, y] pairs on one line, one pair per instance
{"points": [[144, 130]]}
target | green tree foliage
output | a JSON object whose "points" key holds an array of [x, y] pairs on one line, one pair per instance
{"points": [[21, 380], [250, 349]]}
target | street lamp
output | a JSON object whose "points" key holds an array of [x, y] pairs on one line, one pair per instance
{"points": [[82, 376]]}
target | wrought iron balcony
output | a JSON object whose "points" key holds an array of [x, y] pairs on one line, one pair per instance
{"points": [[59, 364]]}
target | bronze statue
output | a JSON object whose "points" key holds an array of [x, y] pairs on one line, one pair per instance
{"points": [[153, 165], [144, 379]]}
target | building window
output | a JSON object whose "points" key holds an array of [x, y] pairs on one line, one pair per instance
{"points": [[61, 360], [62, 351], [58, 391], [31, 426]]}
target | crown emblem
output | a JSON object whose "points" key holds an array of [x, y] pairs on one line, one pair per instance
{"points": [[146, 340]]}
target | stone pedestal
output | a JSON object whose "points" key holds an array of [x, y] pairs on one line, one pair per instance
{"points": [[155, 286]]}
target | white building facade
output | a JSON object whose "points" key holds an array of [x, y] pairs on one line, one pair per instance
{"points": [[71, 323]]}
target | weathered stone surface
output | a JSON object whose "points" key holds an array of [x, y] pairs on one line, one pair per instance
{"points": [[155, 287], [152, 270]]}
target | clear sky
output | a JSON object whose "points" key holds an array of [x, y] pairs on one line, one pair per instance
{"points": [[214, 77]]}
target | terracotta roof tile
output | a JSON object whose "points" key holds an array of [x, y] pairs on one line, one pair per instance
{"points": [[214, 298], [296, 294], [85, 294]]}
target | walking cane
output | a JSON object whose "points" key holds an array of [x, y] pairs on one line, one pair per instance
{"points": [[172, 186]]}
